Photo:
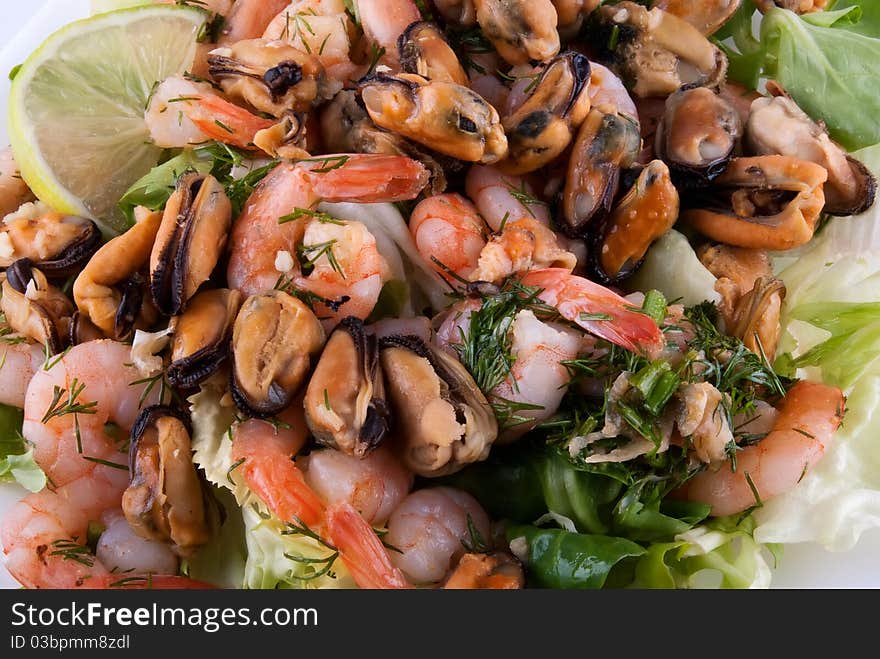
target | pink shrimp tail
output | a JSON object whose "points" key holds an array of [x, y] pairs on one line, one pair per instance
{"points": [[225, 122], [598, 310], [365, 178], [361, 550]]}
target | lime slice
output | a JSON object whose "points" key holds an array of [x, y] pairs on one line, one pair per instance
{"points": [[76, 107]]}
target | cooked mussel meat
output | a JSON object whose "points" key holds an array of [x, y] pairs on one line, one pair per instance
{"points": [[765, 202], [190, 241], [272, 76], [646, 212], [201, 337], [35, 308], [441, 417], [448, 118], [697, 135], [286, 139], [425, 51], [654, 51], [605, 144], [542, 127], [166, 500], [109, 292], [777, 125], [522, 31], [345, 400], [59, 245], [274, 339]]}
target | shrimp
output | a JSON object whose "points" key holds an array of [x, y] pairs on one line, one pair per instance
{"points": [[259, 240], [248, 19], [501, 198], [384, 21], [185, 113], [321, 28], [597, 310], [67, 406], [431, 529], [18, 363], [608, 93], [809, 414], [449, 233], [267, 466], [13, 190]]}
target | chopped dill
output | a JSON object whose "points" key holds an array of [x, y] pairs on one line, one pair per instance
{"points": [[309, 255], [71, 550]]}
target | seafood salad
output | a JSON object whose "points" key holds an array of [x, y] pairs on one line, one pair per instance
{"points": [[463, 294]]}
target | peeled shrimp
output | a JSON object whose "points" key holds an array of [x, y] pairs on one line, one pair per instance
{"points": [[18, 363], [608, 93], [13, 190], [501, 198], [430, 528], [259, 241], [185, 113], [597, 310], [808, 416], [449, 234], [248, 19], [384, 21]]}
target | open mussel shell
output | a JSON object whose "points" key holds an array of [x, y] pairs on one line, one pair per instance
{"points": [[33, 307], [697, 135], [441, 418], [274, 339], [190, 241], [424, 50], [646, 212], [605, 144], [59, 245], [166, 499], [202, 335], [345, 400]]}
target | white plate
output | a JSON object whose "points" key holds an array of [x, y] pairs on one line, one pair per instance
{"points": [[806, 565]]}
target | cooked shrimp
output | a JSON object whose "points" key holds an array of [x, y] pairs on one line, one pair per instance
{"points": [[185, 113], [522, 245], [321, 28], [484, 80], [258, 238], [809, 414], [13, 190], [608, 93], [374, 485], [67, 406], [501, 198], [384, 21], [18, 363], [121, 550], [597, 310], [432, 528], [449, 233], [248, 19]]}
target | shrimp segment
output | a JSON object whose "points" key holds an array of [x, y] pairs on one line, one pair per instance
{"points": [[597, 309], [809, 415], [448, 230], [19, 363]]}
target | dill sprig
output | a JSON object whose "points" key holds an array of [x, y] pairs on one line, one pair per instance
{"points": [[300, 528], [320, 216], [328, 163], [71, 550], [226, 160], [523, 196], [60, 407], [309, 255]]}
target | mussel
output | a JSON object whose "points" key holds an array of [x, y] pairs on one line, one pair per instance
{"points": [[605, 144], [697, 135], [646, 212], [286, 139], [109, 292], [765, 202], [274, 339], [706, 15], [59, 245], [797, 6], [443, 420], [448, 118], [190, 241], [521, 30], [201, 337], [166, 499], [272, 76], [33, 307], [425, 51], [544, 125], [777, 125], [347, 128], [345, 400], [654, 51]]}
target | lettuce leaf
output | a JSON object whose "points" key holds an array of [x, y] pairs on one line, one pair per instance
{"points": [[17, 463], [827, 62], [222, 561]]}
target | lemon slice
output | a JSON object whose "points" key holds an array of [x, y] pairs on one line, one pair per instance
{"points": [[76, 106]]}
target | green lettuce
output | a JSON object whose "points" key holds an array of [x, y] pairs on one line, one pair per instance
{"points": [[829, 62], [222, 561], [17, 463]]}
